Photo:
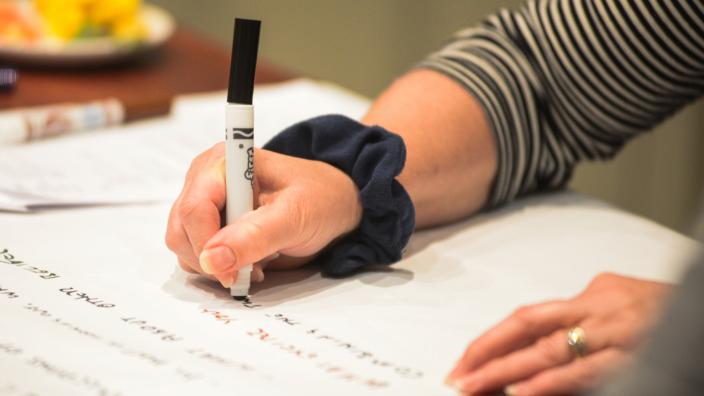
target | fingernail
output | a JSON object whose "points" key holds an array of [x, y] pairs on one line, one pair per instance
{"points": [[466, 384], [459, 370], [257, 274], [452, 377], [217, 259], [511, 390], [455, 384]]}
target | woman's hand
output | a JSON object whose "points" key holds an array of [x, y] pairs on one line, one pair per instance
{"points": [[527, 353], [301, 206]]}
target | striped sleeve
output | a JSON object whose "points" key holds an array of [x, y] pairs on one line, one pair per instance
{"points": [[562, 81]]}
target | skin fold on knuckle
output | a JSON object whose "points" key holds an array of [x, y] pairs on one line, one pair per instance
{"points": [[524, 313], [187, 206], [216, 150], [172, 239], [207, 216], [173, 227], [216, 176], [195, 166], [524, 317], [605, 279], [552, 348], [176, 240]]}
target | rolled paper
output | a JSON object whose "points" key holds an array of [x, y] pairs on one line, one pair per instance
{"points": [[8, 78]]}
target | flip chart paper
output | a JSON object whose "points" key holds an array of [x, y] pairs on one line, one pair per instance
{"points": [[93, 303]]}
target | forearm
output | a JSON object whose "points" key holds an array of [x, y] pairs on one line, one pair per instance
{"points": [[555, 91], [451, 153]]}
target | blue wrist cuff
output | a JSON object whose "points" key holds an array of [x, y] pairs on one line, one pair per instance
{"points": [[372, 157]]}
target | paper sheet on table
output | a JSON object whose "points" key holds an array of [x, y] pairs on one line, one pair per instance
{"points": [[92, 303], [147, 161]]}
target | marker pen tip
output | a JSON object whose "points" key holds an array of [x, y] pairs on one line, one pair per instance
{"points": [[239, 298]]}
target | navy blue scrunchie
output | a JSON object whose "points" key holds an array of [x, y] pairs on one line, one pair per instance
{"points": [[372, 157]]}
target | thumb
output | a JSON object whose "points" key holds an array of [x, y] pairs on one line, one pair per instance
{"points": [[253, 237]]}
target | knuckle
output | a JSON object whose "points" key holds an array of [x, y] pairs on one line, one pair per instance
{"points": [[618, 296], [205, 155], [196, 163], [172, 238], [552, 348], [601, 282], [524, 315], [631, 317], [187, 208], [217, 149], [202, 159], [605, 278], [525, 311]]}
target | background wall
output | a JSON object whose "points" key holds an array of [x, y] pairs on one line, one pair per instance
{"points": [[364, 44]]}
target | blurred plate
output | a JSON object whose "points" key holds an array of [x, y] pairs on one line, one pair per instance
{"points": [[159, 25]]}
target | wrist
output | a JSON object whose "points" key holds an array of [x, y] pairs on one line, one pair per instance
{"points": [[379, 216], [348, 208]]}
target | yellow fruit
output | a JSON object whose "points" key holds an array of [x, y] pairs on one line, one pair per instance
{"points": [[64, 19], [111, 11], [128, 29], [67, 18]]}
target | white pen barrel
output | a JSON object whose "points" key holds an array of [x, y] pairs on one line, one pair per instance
{"points": [[239, 161]]}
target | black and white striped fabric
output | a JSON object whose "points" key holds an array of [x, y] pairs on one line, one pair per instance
{"points": [[562, 81]]}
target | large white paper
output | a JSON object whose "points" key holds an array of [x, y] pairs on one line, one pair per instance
{"points": [[146, 161], [92, 303]]}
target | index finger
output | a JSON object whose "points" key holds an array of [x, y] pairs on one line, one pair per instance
{"points": [[202, 199]]}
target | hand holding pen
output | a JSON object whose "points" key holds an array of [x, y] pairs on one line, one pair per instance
{"points": [[289, 206], [301, 206]]}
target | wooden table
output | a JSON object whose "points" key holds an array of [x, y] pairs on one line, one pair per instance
{"points": [[188, 63]]}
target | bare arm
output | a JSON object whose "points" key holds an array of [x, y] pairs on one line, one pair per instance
{"points": [[451, 158], [505, 109]]}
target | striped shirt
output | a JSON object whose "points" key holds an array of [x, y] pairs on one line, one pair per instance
{"points": [[562, 81]]}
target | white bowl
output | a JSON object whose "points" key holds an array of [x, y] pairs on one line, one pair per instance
{"points": [[159, 25]]}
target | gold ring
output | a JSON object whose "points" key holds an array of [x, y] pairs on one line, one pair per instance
{"points": [[577, 341]]}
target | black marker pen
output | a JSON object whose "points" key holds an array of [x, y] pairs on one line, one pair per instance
{"points": [[239, 134]]}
